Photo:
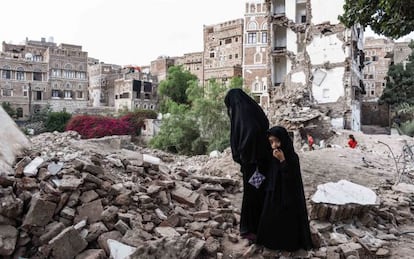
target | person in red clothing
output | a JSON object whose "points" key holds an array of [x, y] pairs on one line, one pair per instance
{"points": [[352, 142], [310, 141]]}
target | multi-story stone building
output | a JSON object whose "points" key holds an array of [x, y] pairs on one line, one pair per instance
{"points": [[40, 73], [315, 66], [193, 63], [159, 67], [223, 51], [102, 83], [136, 90], [255, 51], [377, 60]]}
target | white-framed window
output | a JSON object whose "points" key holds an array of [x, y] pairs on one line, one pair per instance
{"points": [[20, 74], [68, 94], [25, 90], [251, 37], [7, 92], [79, 94], [258, 58], [6, 72], [264, 37], [55, 93]]}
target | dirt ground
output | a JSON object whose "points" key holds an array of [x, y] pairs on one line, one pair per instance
{"points": [[370, 164]]}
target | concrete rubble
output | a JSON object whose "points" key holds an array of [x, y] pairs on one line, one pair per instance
{"points": [[107, 198]]}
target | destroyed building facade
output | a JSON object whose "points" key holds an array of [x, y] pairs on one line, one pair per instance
{"points": [[315, 65]]}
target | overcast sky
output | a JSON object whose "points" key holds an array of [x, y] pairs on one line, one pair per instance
{"points": [[118, 31]]}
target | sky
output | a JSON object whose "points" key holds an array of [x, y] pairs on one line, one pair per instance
{"points": [[119, 32]]}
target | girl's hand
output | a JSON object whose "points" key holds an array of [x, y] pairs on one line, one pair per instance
{"points": [[278, 153]]}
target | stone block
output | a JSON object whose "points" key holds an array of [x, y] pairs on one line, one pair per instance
{"points": [[40, 212], [67, 244]]}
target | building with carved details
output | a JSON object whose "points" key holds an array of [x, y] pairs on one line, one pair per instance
{"points": [[136, 90], [315, 65], [102, 83], [40, 73], [193, 63], [256, 51], [223, 51], [378, 57]]}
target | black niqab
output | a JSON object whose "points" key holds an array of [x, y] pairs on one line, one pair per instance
{"points": [[248, 127]]}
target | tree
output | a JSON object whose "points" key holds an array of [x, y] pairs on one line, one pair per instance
{"points": [[56, 121], [391, 18], [400, 83], [9, 109], [177, 82]]}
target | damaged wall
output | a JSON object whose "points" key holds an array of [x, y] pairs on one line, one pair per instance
{"points": [[320, 61]]}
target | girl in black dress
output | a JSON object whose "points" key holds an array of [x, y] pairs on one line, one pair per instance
{"points": [[284, 222]]}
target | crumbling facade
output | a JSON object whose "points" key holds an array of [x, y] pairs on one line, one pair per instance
{"points": [[102, 83], [256, 51], [40, 73], [136, 90], [314, 66], [223, 51]]}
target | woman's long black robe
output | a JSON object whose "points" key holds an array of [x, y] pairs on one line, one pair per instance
{"points": [[250, 148], [284, 223]]}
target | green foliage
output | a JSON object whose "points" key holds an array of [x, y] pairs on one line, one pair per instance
{"points": [[202, 125], [407, 128], [56, 121], [176, 84], [41, 116], [400, 83], [391, 18], [9, 109], [178, 132]]}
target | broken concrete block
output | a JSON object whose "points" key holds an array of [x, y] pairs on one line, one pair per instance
{"points": [[52, 230], [119, 250], [32, 168], [40, 212], [67, 244], [91, 210], [102, 239], [88, 196], [54, 168], [95, 230], [184, 195], [92, 254], [166, 232], [8, 238], [122, 227]]}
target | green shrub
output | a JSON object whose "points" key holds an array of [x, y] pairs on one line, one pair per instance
{"points": [[407, 128], [56, 121]]}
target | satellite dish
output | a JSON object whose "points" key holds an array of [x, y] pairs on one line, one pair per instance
{"points": [[28, 56]]}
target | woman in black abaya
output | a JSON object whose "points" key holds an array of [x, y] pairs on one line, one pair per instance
{"points": [[284, 222], [250, 148]]}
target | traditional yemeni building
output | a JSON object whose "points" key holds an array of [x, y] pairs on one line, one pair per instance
{"points": [[315, 66], [102, 83], [159, 67], [256, 51], [136, 90], [377, 61], [193, 63], [40, 73], [223, 51], [401, 52]]}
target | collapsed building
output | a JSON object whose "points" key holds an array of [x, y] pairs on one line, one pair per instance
{"points": [[314, 67]]}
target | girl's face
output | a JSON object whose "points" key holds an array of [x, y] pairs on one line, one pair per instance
{"points": [[274, 142]]}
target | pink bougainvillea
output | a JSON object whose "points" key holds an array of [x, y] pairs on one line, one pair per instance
{"points": [[98, 126]]}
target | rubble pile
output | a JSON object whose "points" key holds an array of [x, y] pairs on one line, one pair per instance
{"points": [[70, 198], [108, 198]]}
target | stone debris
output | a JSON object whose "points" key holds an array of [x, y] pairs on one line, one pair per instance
{"points": [[112, 199]]}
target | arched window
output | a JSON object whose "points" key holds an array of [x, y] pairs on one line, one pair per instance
{"points": [[252, 26], [258, 58], [264, 26]]}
